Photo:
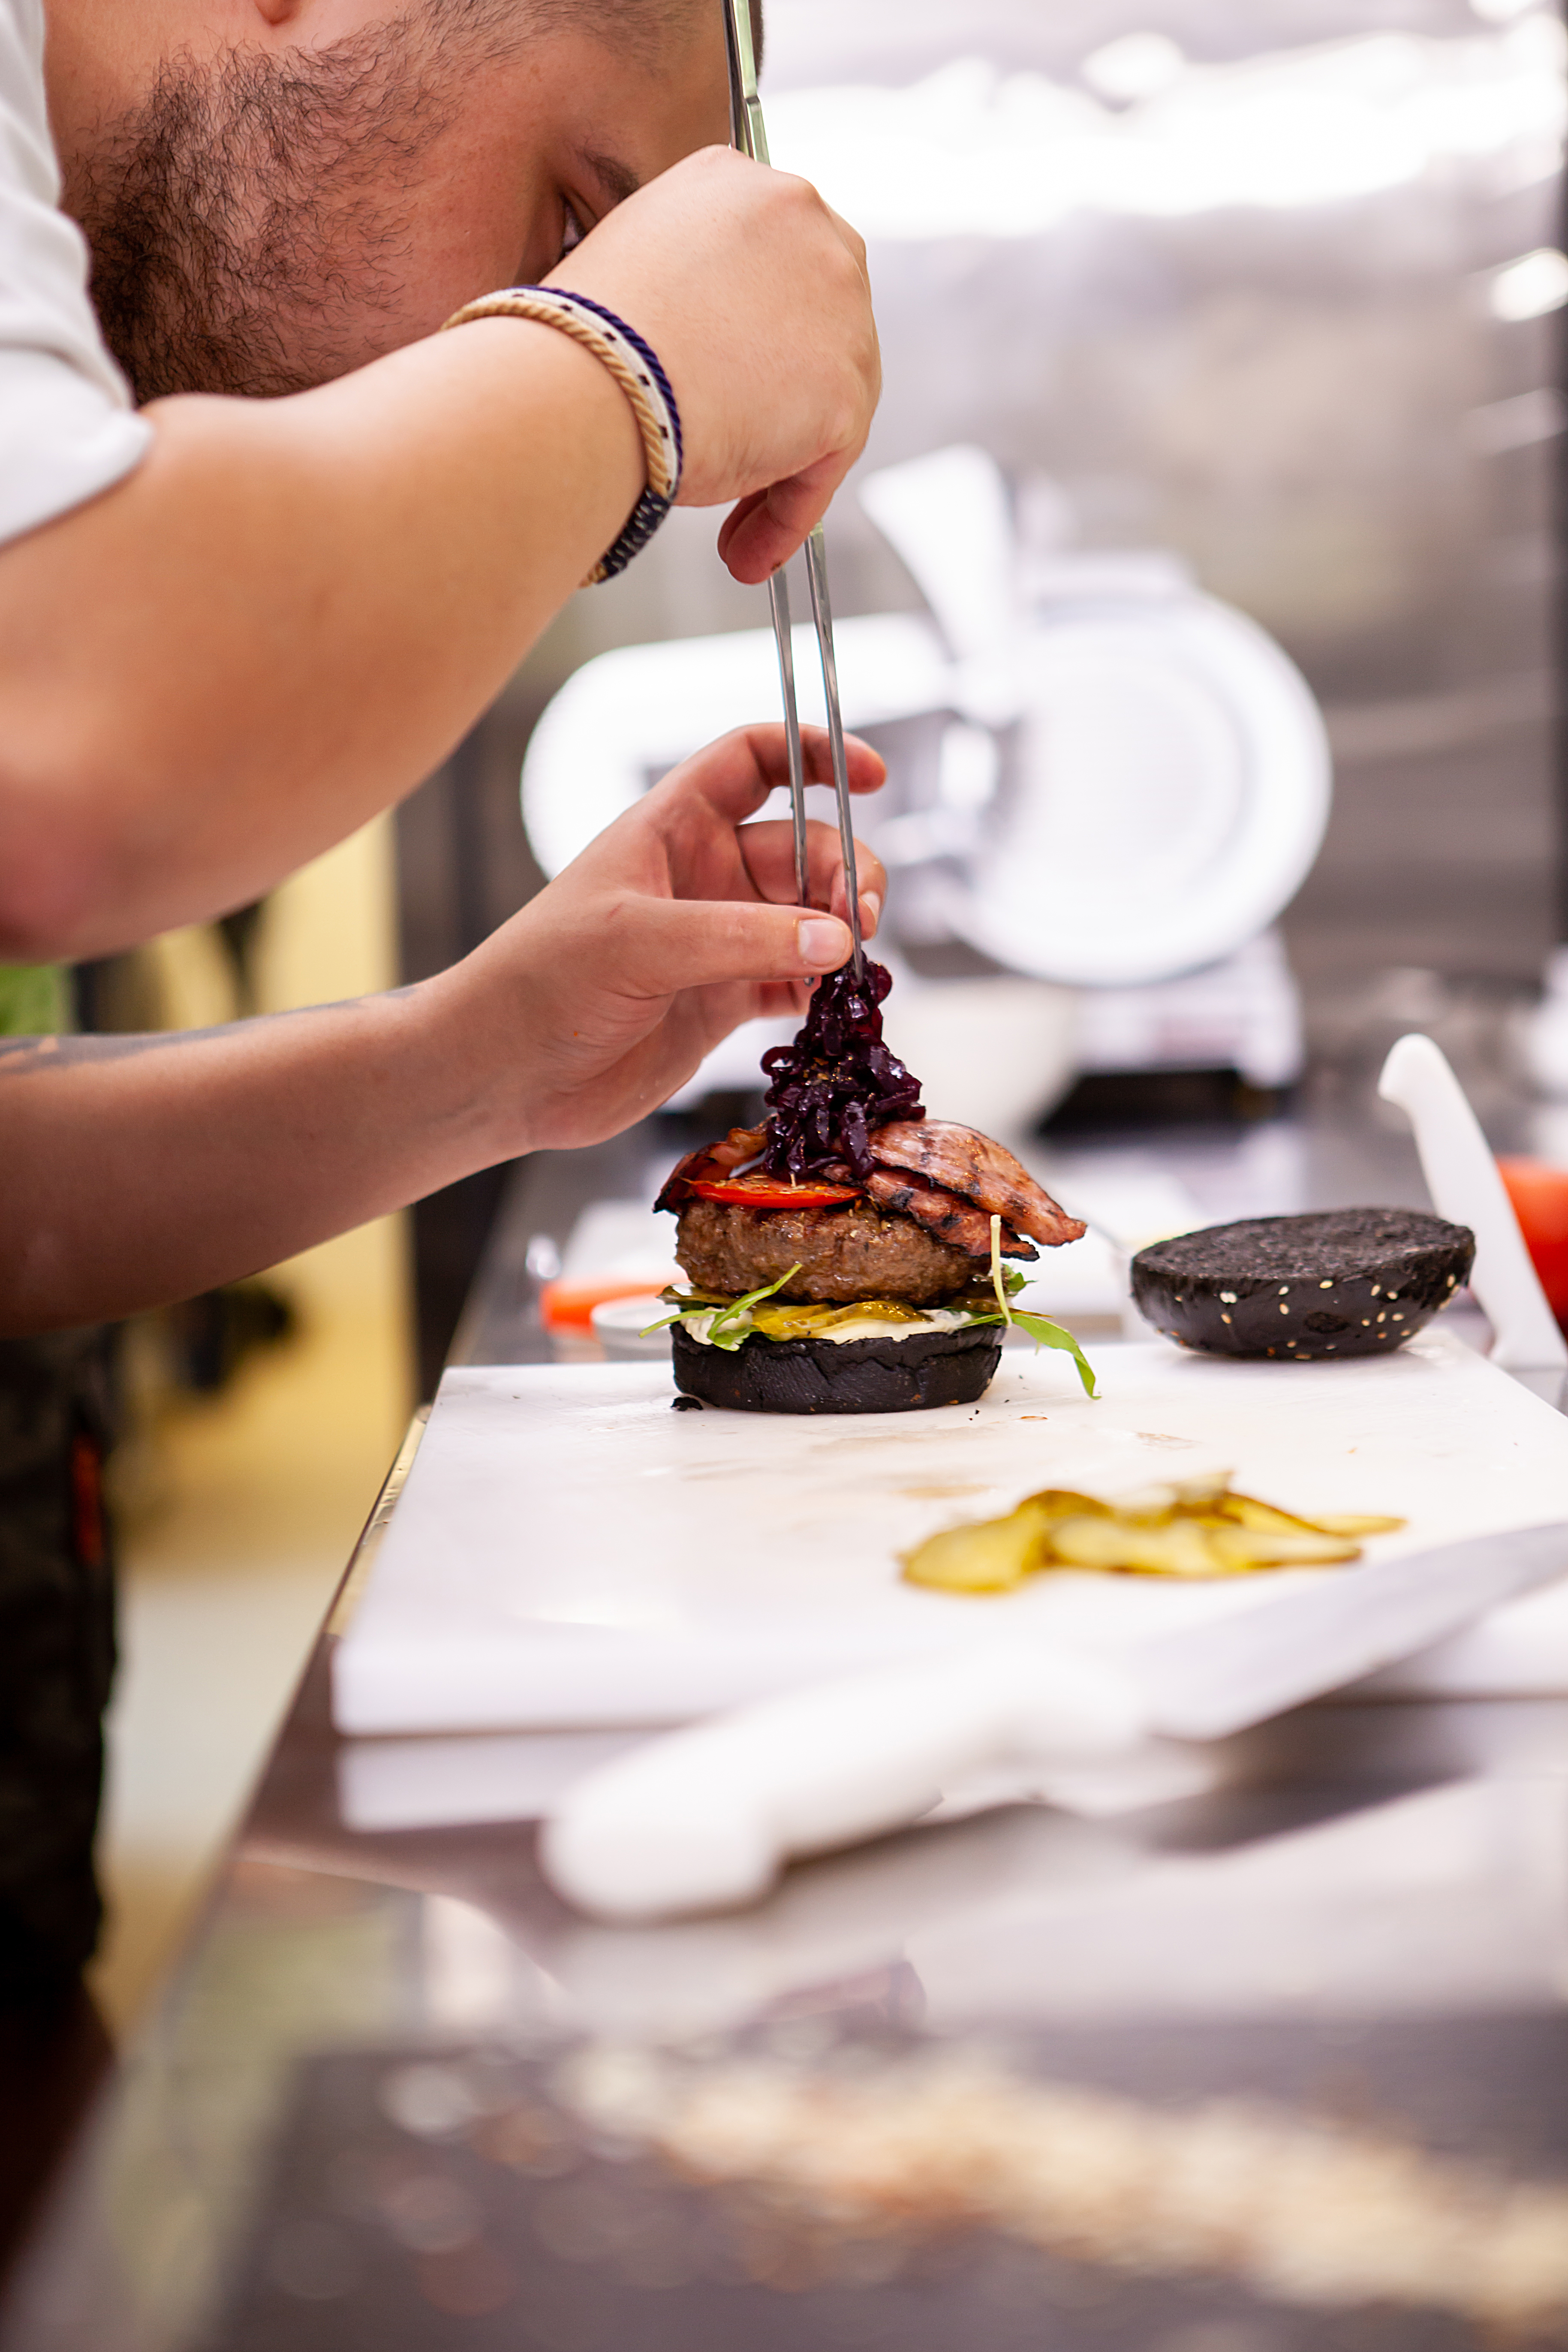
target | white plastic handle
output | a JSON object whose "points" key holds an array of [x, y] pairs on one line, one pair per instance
{"points": [[1466, 1186], [706, 1819]]}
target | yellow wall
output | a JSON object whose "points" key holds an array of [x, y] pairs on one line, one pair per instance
{"points": [[238, 1512]]}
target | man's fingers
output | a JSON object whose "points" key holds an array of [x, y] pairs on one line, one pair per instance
{"points": [[769, 853], [734, 521], [866, 770], [735, 775], [765, 529], [665, 945], [738, 772]]}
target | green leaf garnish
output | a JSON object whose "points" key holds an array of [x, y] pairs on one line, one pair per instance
{"points": [[728, 1329], [1043, 1333]]}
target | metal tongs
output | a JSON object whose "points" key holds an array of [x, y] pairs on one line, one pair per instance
{"points": [[750, 136]]}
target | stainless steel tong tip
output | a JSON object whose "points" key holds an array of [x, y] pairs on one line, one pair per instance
{"points": [[822, 613], [747, 130], [778, 597], [751, 136]]}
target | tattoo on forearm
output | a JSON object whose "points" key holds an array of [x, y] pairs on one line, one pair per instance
{"points": [[19, 1057]]}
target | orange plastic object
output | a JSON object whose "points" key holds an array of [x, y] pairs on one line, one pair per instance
{"points": [[569, 1306], [1540, 1197]]}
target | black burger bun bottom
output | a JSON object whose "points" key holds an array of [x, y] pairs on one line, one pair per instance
{"points": [[1343, 1281], [880, 1375]]}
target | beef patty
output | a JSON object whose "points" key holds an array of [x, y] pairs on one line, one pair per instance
{"points": [[844, 1254]]}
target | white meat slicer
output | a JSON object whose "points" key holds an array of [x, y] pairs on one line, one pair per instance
{"points": [[1130, 781]]}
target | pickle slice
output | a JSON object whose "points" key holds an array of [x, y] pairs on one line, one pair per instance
{"points": [[808, 1322], [1356, 1523], [1197, 1527], [1180, 1548], [988, 1556]]}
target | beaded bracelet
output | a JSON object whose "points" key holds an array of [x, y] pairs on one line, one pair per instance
{"points": [[636, 368]]}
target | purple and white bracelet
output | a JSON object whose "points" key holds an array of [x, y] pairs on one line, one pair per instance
{"points": [[635, 368]]}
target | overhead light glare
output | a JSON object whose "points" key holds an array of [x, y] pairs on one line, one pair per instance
{"points": [[1500, 12], [1531, 285], [974, 152], [1137, 65]]}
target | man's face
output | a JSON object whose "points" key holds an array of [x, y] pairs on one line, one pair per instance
{"points": [[275, 213]]}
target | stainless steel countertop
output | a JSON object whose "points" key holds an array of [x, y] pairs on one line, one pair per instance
{"points": [[345, 2124]]}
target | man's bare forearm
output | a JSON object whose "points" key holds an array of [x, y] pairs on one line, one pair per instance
{"points": [[138, 1170], [283, 620]]}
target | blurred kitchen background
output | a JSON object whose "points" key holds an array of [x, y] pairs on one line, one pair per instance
{"points": [[1267, 289], [1239, 321]]}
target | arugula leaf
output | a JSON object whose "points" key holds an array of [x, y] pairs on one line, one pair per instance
{"points": [[1043, 1333], [1048, 1335], [729, 1328]]}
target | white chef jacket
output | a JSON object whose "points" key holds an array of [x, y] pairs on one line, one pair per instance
{"points": [[68, 426]]}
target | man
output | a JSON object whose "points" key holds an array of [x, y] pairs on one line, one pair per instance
{"points": [[236, 622], [231, 628]]}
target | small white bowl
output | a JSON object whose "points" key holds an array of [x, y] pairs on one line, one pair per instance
{"points": [[620, 1326]]}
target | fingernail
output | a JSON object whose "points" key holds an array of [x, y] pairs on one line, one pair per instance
{"points": [[870, 909], [823, 945]]}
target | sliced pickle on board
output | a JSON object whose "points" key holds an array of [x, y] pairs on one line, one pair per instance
{"points": [[1179, 1547], [989, 1556], [1198, 1528]]}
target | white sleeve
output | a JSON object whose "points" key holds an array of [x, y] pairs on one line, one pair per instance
{"points": [[67, 428]]}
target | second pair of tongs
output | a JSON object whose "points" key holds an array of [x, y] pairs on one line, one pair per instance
{"points": [[751, 139]]}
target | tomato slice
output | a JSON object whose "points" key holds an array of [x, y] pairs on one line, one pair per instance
{"points": [[760, 1192]]}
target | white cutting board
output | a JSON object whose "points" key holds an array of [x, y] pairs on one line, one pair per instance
{"points": [[569, 1551]]}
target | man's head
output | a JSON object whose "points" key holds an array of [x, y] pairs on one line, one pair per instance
{"points": [[277, 191]]}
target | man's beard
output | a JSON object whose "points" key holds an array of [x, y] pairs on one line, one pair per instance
{"points": [[247, 221]]}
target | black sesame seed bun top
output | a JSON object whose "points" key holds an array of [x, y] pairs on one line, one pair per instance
{"points": [[1330, 1242], [1341, 1282]]}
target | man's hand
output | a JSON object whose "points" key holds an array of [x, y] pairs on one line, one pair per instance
{"points": [[596, 1001], [754, 295], [137, 1170]]}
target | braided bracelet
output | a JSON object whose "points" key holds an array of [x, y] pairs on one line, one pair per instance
{"points": [[636, 368]]}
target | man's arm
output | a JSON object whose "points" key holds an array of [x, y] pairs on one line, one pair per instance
{"points": [[288, 613], [135, 1170]]}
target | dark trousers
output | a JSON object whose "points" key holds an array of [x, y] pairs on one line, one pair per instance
{"points": [[56, 1654], [57, 1661]]}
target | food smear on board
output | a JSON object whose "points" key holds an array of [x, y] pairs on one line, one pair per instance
{"points": [[1201, 1527], [853, 1255]]}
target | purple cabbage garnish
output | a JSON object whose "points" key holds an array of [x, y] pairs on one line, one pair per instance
{"points": [[837, 1081]]}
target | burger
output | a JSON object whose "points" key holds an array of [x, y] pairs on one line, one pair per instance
{"points": [[852, 1254]]}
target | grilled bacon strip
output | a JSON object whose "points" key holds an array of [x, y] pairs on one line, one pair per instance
{"points": [[943, 1213], [710, 1164], [958, 1160]]}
